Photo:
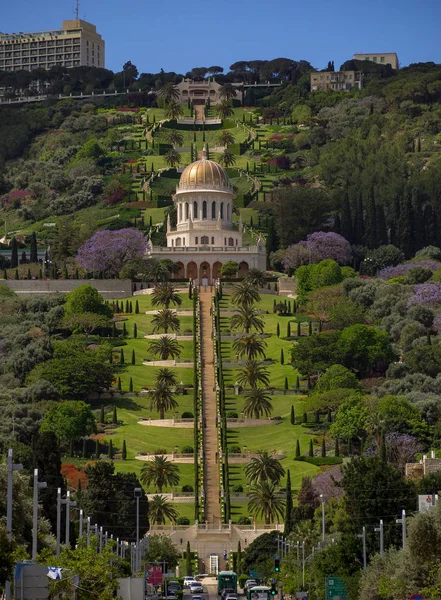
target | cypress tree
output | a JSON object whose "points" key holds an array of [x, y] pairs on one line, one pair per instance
{"points": [[293, 415], [282, 357], [111, 450], [40, 274], [297, 449], [346, 227], [97, 449], [127, 306], [188, 565], [317, 417], [121, 356], [33, 258], [310, 328], [358, 228], [124, 329], [102, 415], [299, 329], [119, 384], [286, 385], [323, 448], [288, 330], [5, 274], [14, 253], [297, 382], [337, 448], [84, 449], [305, 417], [135, 331], [71, 448], [278, 330], [294, 306], [311, 448], [288, 506], [137, 308], [133, 358], [130, 307], [289, 306], [131, 385], [419, 144], [115, 415], [274, 305], [124, 451], [117, 307], [114, 331], [16, 274], [29, 274]]}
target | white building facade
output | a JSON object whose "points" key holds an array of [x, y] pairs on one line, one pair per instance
{"points": [[204, 237]]}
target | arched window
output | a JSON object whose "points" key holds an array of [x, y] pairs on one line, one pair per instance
{"points": [[230, 242], [186, 211], [222, 210], [212, 240], [213, 210], [178, 241], [205, 240], [228, 212], [180, 212], [196, 240], [195, 210], [204, 209]]}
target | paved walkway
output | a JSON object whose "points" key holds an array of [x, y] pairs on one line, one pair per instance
{"points": [[211, 468]]}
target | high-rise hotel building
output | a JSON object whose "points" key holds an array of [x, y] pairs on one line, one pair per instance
{"points": [[76, 44]]}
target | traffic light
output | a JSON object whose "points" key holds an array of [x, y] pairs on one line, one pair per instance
{"points": [[276, 564], [273, 589]]}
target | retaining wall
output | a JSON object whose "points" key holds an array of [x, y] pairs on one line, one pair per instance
{"points": [[108, 288]]}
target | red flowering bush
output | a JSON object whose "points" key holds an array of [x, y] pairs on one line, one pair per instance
{"points": [[115, 197], [73, 475]]}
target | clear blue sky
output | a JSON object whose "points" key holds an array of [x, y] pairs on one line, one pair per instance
{"points": [[179, 35]]}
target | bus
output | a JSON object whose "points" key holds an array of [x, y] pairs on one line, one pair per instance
{"points": [[226, 579], [259, 592]]}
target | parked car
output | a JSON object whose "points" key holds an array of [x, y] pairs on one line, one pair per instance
{"points": [[201, 576], [231, 597], [196, 588], [189, 579], [227, 591]]}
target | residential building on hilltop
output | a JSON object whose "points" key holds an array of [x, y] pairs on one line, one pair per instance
{"points": [[382, 58], [204, 237], [336, 80], [76, 44]]}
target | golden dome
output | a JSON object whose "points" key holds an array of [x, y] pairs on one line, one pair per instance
{"points": [[205, 174]]}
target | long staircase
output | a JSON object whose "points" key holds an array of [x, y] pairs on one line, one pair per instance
{"points": [[211, 468]]}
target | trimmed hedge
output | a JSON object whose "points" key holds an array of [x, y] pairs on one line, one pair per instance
{"points": [[320, 461]]}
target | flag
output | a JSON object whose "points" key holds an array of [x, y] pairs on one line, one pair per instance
{"points": [[54, 572]]}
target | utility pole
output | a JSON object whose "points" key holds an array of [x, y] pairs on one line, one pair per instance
{"points": [[60, 501], [298, 562], [363, 538], [68, 503], [101, 539], [381, 531], [81, 523], [403, 527], [38, 485], [138, 493], [11, 469], [303, 565], [322, 498], [88, 531]]}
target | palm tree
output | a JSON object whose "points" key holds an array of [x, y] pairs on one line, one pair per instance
{"points": [[250, 345], [166, 376], [161, 399], [174, 137], [155, 270], [227, 158], [257, 402], [252, 373], [247, 318], [165, 294], [173, 110], [172, 158], [164, 347], [255, 277], [169, 93], [264, 467], [244, 294], [228, 91], [224, 109], [160, 509], [160, 472], [265, 501], [225, 138], [166, 319]]}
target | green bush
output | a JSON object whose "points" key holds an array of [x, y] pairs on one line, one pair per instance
{"points": [[187, 415], [319, 461], [182, 521], [187, 450]]}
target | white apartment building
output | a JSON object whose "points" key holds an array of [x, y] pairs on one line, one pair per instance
{"points": [[381, 58], [76, 44]]}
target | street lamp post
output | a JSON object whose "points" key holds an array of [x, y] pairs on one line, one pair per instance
{"points": [[403, 527], [38, 485], [138, 493], [363, 538], [380, 530], [322, 498], [68, 503]]}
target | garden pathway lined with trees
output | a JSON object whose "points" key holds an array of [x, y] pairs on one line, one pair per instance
{"points": [[211, 469]]}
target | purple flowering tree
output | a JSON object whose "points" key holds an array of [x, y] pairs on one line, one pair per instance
{"points": [[108, 251], [400, 449], [319, 246], [327, 483], [427, 294], [403, 270]]}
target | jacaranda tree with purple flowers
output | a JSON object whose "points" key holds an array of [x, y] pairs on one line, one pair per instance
{"points": [[427, 294], [319, 246], [108, 251]]}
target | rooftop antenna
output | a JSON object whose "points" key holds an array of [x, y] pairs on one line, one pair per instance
{"points": [[77, 9]]}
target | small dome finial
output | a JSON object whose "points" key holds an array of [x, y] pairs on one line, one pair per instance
{"points": [[204, 152]]}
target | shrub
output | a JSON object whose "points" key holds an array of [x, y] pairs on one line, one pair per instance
{"points": [[232, 415], [160, 451], [244, 521], [237, 488], [187, 488], [187, 450], [320, 461], [187, 415], [234, 449], [182, 521]]}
